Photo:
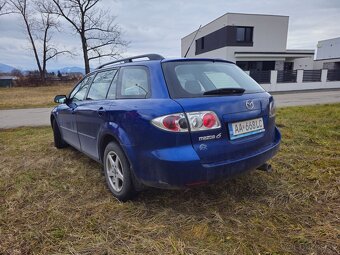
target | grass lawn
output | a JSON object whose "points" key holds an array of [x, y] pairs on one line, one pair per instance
{"points": [[56, 202], [22, 97]]}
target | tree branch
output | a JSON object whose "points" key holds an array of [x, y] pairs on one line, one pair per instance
{"points": [[58, 53], [100, 37]]}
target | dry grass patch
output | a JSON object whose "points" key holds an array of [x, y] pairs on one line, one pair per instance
{"points": [[28, 97], [56, 202]]}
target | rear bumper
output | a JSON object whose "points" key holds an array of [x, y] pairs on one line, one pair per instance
{"points": [[181, 167]]}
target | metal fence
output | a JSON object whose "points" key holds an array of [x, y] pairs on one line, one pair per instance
{"points": [[286, 76], [333, 75], [260, 76], [311, 75]]}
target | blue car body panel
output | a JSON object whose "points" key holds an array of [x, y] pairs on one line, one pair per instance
{"points": [[168, 159]]}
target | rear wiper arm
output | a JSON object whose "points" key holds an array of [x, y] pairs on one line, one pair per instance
{"points": [[225, 91]]}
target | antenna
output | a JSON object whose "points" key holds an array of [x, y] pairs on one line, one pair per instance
{"points": [[192, 41]]}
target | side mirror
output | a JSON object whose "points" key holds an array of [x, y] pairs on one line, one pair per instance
{"points": [[60, 99]]}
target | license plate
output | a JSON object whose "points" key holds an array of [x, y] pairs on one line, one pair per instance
{"points": [[245, 128]]}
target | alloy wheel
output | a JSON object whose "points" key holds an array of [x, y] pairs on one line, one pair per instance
{"points": [[114, 170]]}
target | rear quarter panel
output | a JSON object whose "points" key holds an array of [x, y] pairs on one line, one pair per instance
{"points": [[129, 120]]}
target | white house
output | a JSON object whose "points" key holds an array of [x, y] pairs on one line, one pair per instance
{"points": [[328, 54], [253, 41]]}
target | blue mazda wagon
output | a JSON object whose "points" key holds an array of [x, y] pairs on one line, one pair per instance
{"points": [[168, 123]]}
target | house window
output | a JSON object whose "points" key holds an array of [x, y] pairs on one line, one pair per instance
{"points": [[200, 47], [202, 43], [244, 34]]}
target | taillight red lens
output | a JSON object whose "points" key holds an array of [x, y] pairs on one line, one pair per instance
{"points": [[209, 120], [170, 122]]}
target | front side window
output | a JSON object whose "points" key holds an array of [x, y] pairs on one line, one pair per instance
{"points": [[134, 82], [194, 78], [80, 90], [100, 85], [244, 34]]}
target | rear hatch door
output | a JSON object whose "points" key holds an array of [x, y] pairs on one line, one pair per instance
{"points": [[223, 144]]}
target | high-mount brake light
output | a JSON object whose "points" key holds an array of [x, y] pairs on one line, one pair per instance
{"points": [[178, 122]]}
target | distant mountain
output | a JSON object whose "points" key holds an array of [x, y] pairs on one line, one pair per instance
{"points": [[71, 69], [6, 68]]}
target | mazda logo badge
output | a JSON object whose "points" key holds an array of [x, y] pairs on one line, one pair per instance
{"points": [[250, 104]]}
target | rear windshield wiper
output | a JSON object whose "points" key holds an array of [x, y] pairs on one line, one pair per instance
{"points": [[225, 91]]}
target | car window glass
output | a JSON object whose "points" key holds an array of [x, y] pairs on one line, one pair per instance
{"points": [[193, 78], [134, 82], [222, 80], [100, 85], [79, 93], [112, 90]]}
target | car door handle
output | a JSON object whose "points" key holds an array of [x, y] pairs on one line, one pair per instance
{"points": [[101, 111]]}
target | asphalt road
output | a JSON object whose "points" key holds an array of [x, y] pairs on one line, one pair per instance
{"points": [[25, 117], [307, 98], [41, 116]]}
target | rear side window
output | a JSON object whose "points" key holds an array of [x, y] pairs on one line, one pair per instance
{"points": [[100, 85], [193, 78], [134, 82]]}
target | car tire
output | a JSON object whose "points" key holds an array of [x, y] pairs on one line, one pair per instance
{"points": [[59, 143], [117, 173]]}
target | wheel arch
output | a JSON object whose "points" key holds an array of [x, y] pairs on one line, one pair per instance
{"points": [[52, 118], [104, 141]]}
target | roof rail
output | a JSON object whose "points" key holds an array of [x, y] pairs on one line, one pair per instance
{"points": [[128, 60]]}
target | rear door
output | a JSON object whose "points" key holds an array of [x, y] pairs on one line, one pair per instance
{"points": [[91, 113]]}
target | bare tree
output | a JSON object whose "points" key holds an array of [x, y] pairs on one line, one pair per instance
{"points": [[4, 7], [49, 51], [100, 36], [39, 31]]}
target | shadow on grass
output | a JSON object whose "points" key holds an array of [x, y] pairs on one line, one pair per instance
{"points": [[246, 187]]}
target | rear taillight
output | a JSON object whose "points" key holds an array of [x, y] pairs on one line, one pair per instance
{"points": [[178, 122], [205, 120], [173, 122]]}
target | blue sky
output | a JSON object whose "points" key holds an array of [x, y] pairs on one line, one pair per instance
{"points": [[154, 26]]}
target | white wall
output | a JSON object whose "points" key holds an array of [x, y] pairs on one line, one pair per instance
{"points": [[304, 63], [270, 31], [206, 29], [270, 34], [328, 49], [327, 64]]}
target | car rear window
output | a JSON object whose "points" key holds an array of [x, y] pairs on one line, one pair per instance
{"points": [[193, 78]]}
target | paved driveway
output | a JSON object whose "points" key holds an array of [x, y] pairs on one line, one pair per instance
{"points": [[25, 117], [307, 98], [41, 116]]}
